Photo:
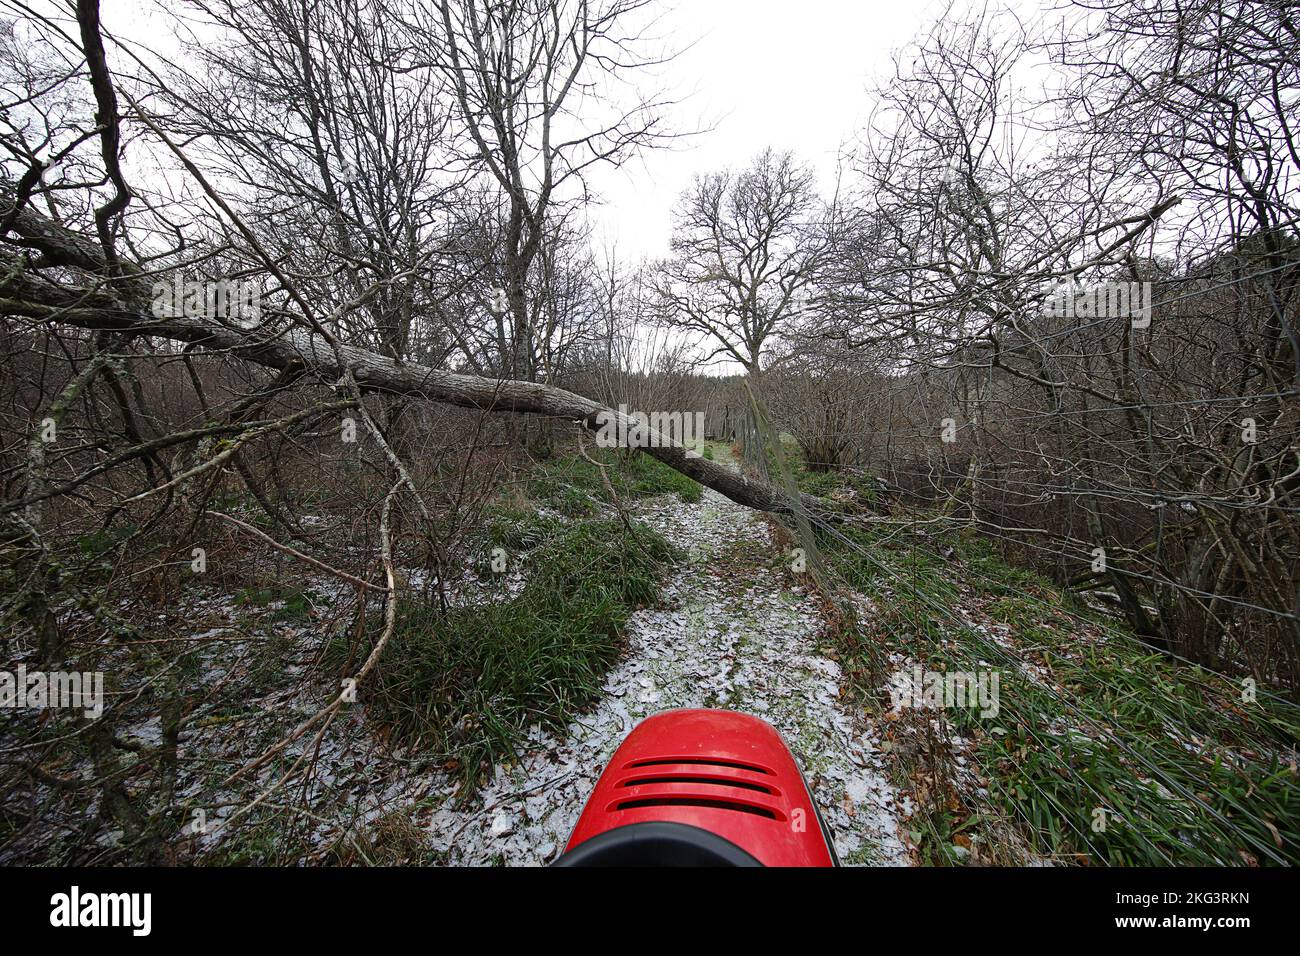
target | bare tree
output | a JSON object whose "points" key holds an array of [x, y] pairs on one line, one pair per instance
{"points": [[343, 152], [980, 209], [746, 249], [527, 79]]}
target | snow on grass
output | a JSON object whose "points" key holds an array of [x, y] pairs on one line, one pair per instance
{"points": [[729, 632]]}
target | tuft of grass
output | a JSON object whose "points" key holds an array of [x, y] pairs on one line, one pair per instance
{"points": [[648, 476], [295, 604], [391, 840], [518, 529], [98, 544], [465, 685], [823, 484], [268, 843], [573, 485]]}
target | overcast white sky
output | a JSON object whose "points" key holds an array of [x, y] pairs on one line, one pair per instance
{"points": [[792, 74]]}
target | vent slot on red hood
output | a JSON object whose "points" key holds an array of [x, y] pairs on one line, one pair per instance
{"points": [[702, 761], [714, 781], [642, 802]]}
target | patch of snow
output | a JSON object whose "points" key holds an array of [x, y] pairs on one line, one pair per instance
{"points": [[713, 640]]}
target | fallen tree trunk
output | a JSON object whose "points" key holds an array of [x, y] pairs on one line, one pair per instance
{"points": [[123, 304]]}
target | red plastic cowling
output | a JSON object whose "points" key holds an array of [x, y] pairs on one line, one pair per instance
{"points": [[721, 771]]}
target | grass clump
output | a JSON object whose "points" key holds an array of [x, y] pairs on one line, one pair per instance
{"points": [[467, 684], [648, 476], [518, 529], [293, 604], [574, 486], [825, 484]]}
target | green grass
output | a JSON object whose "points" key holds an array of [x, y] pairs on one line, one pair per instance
{"points": [[1184, 770], [267, 844], [517, 529], [1181, 768], [573, 485], [97, 544], [296, 604], [823, 484], [466, 685]]}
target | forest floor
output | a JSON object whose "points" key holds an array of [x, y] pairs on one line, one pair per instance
{"points": [[731, 630], [731, 627], [1100, 751]]}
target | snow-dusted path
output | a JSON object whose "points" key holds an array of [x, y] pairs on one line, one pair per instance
{"points": [[729, 631]]}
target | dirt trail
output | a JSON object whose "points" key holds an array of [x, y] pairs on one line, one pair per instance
{"points": [[729, 631]]}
